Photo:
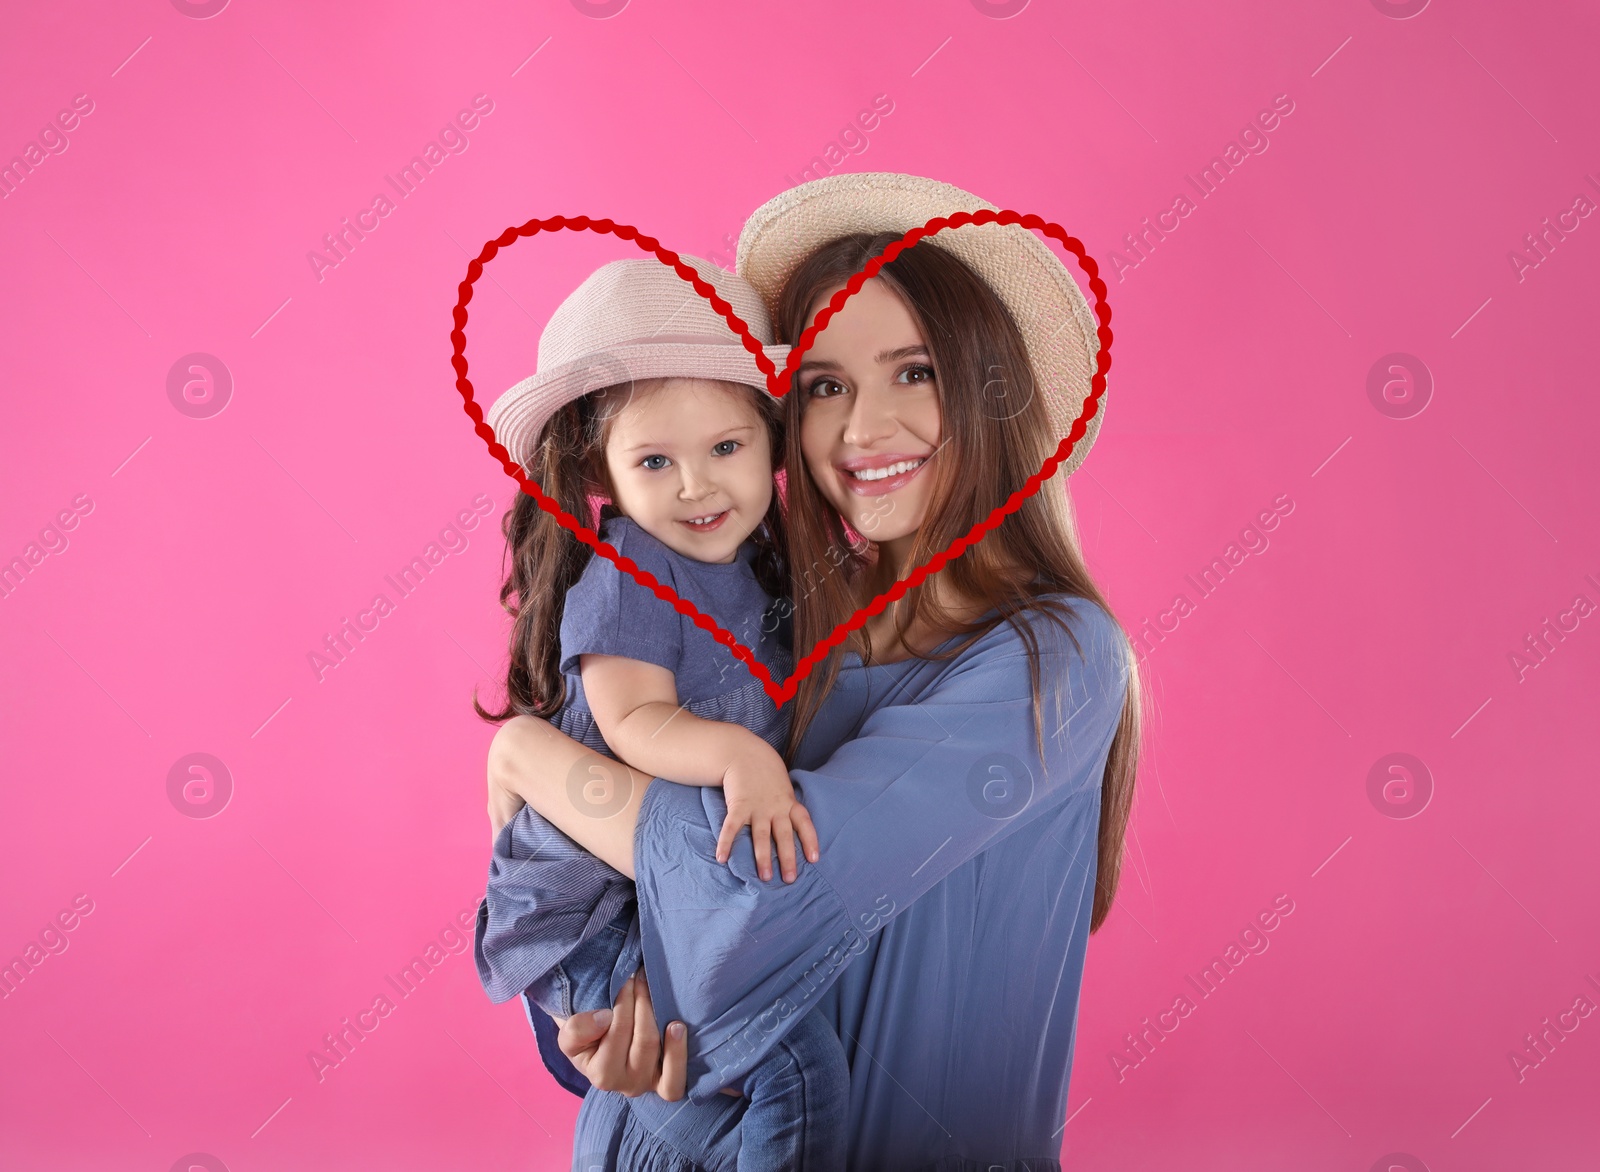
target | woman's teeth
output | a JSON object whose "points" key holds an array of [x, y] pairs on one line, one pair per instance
{"points": [[888, 471]]}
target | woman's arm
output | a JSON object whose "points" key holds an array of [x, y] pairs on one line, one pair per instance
{"points": [[933, 779]]}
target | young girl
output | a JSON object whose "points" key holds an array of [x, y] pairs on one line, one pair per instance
{"points": [[681, 453]]}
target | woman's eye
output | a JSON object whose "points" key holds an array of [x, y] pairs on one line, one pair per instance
{"points": [[917, 374], [730, 445], [654, 467], [825, 387]]}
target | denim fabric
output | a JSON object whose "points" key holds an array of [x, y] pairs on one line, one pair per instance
{"points": [[791, 1118], [545, 895], [942, 934]]}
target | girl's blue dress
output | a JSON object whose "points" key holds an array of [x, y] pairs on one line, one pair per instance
{"points": [[561, 927]]}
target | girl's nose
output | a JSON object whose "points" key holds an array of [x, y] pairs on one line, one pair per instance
{"points": [[694, 484]]}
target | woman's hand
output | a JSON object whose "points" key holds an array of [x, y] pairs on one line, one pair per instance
{"points": [[621, 1050]]}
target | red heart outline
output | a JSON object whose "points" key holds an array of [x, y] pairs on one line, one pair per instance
{"points": [[777, 384]]}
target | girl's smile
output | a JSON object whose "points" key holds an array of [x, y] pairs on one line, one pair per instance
{"points": [[706, 522]]}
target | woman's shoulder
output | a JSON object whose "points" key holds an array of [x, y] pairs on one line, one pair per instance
{"points": [[1069, 637], [1054, 621]]}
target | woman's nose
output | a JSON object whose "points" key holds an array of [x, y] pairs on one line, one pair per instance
{"points": [[871, 420]]}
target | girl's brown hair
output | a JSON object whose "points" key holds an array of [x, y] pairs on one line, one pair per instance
{"points": [[996, 433], [546, 560]]}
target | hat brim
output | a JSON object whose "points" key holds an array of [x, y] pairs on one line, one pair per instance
{"points": [[519, 415], [1045, 301]]}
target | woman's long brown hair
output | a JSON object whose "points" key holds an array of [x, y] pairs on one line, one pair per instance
{"points": [[546, 560], [996, 433]]}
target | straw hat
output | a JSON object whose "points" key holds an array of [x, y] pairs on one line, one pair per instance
{"points": [[1034, 284], [633, 319]]}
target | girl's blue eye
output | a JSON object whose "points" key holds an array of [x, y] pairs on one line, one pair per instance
{"points": [[728, 444], [653, 467]]}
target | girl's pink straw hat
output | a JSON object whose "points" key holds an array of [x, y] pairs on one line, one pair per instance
{"points": [[629, 320]]}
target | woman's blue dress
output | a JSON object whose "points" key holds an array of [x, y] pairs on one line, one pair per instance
{"points": [[942, 932]]}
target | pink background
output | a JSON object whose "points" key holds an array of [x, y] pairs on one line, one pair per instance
{"points": [[1381, 617]]}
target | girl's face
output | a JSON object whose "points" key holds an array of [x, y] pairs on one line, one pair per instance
{"points": [[870, 424], [691, 463]]}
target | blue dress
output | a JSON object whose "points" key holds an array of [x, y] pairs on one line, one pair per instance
{"points": [[943, 931], [546, 895], [560, 927]]}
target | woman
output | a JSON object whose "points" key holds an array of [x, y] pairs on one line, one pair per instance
{"points": [[967, 757]]}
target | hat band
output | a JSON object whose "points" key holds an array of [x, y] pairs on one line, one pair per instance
{"points": [[731, 340]]}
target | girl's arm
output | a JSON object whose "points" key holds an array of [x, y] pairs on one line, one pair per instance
{"points": [[636, 707]]}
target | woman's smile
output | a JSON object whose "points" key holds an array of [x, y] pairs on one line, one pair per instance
{"points": [[880, 475]]}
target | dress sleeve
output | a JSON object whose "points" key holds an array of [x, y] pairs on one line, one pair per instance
{"points": [[928, 783], [607, 612]]}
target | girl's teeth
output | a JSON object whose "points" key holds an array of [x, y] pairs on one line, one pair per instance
{"points": [[886, 472]]}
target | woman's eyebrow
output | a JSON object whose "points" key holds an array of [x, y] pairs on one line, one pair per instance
{"points": [[903, 352], [883, 356]]}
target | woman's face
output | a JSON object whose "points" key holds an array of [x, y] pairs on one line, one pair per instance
{"points": [[870, 424]]}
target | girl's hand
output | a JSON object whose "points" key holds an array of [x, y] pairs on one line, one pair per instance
{"points": [[621, 1050], [760, 795]]}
